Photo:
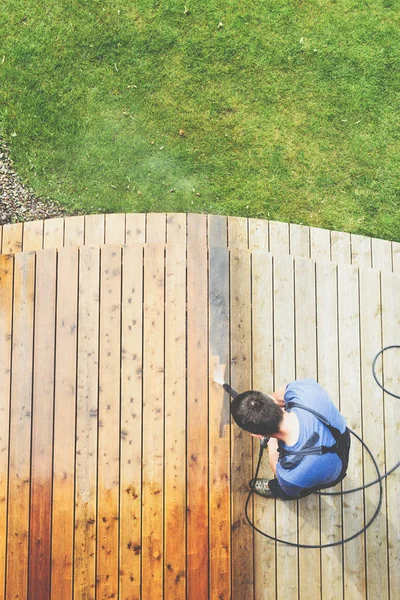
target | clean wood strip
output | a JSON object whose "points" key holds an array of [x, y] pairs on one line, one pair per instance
{"points": [[278, 237], [115, 229], [299, 240], [241, 454], [361, 253], [373, 428], [328, 377], [306, 366], [20, 427], [135, 228], [6, 303], [217, 231], [86, 425], [320, 243], [263, 369], [286, 512], [340, 247], [53, 233], [64, 425], [131, 422], [381, 254], [396, 256], [74, 231], [12, 238], [156, 228], [109, 423], [176, 228], [350, 398], [197, 229], [219, 426], [94, 230], [391, 335], [32, 236], [153, 423], [237, 232], [258, 233], [197, 424], [175, 424], [42, 425]]}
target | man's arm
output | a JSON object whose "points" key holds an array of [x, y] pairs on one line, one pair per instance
{"points": [[273, 455]]}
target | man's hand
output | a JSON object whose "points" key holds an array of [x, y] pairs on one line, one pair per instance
{"points": [[279, 395]]}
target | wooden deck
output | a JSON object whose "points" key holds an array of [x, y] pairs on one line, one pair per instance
{"points": [[121, 475]]}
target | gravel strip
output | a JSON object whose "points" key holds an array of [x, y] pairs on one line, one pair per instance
{"points": [[19, 203]]}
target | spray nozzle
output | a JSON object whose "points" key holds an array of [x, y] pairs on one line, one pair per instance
{"points": [[230, 391]]}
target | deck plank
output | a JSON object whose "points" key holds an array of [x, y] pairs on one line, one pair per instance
{"points": [[109, 423], [263, 380], [320, 243], [391, 335], [64, 425], [74, 231], [306, 366], [197, 424], [350, 402], [328, 377], [130, 542], [94, 230], [176, 228], [361, 251], [340, 247], [299, 240], [156, 228], [381, 254], [396, 256], [219, 426], [217, 231], [153, 423], [197, 229], [175, 423], [241, 453], [238, 232], [32, 236], [20, 427], [284, 352], [86, 425], [42, 426], [12, 238], [258, 234], [279, 237], [135, 228], [373, 430], [6, 304], [115, 229], [53, 233]]}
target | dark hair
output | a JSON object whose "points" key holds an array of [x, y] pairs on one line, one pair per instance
{"points": [[257, 413]]}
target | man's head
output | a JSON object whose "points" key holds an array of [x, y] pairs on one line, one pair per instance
{"points": [[256, 413]]}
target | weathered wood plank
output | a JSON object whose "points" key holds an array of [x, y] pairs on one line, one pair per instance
{"points": [[94, 230], [320, 243], [64, 425], [53, 233], [153, 423], [328, 377], [109, 423], [299, 240], [284, 352], [340, 247], [219, 426], [381, 254], [86, 425], [237, 232], [12, 238], [156, 228], [175, 424], [131, 422], [306, 366], [241, 454], [115, 229], [361, 253], [263, 380], [197, 424], [373, 430], [217, 231], [197, 229], [391, 335], [20, 427], [6, 314], [258, 234], [32, 236], [42, 426], [135, 228], [350, 399], [396, 256], [279, 237], [176, 228], [74, 231]]}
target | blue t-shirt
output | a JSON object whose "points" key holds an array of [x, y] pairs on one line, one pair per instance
{"points": [[317, 469]]}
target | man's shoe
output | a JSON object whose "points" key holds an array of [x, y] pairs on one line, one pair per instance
{"points": [[260, 487]]}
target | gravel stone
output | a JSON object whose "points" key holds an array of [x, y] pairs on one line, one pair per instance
{"points": [[18, 202]]}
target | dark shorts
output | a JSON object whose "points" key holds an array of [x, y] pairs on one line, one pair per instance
{"points": [[343, 452]]}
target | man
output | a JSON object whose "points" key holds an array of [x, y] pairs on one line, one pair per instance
{"points": [[309, 442]]}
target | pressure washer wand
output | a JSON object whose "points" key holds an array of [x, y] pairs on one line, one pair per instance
{"points": [[230, 391]]}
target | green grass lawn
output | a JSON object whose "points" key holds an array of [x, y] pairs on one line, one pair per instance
{"points": [[290, 109]]}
